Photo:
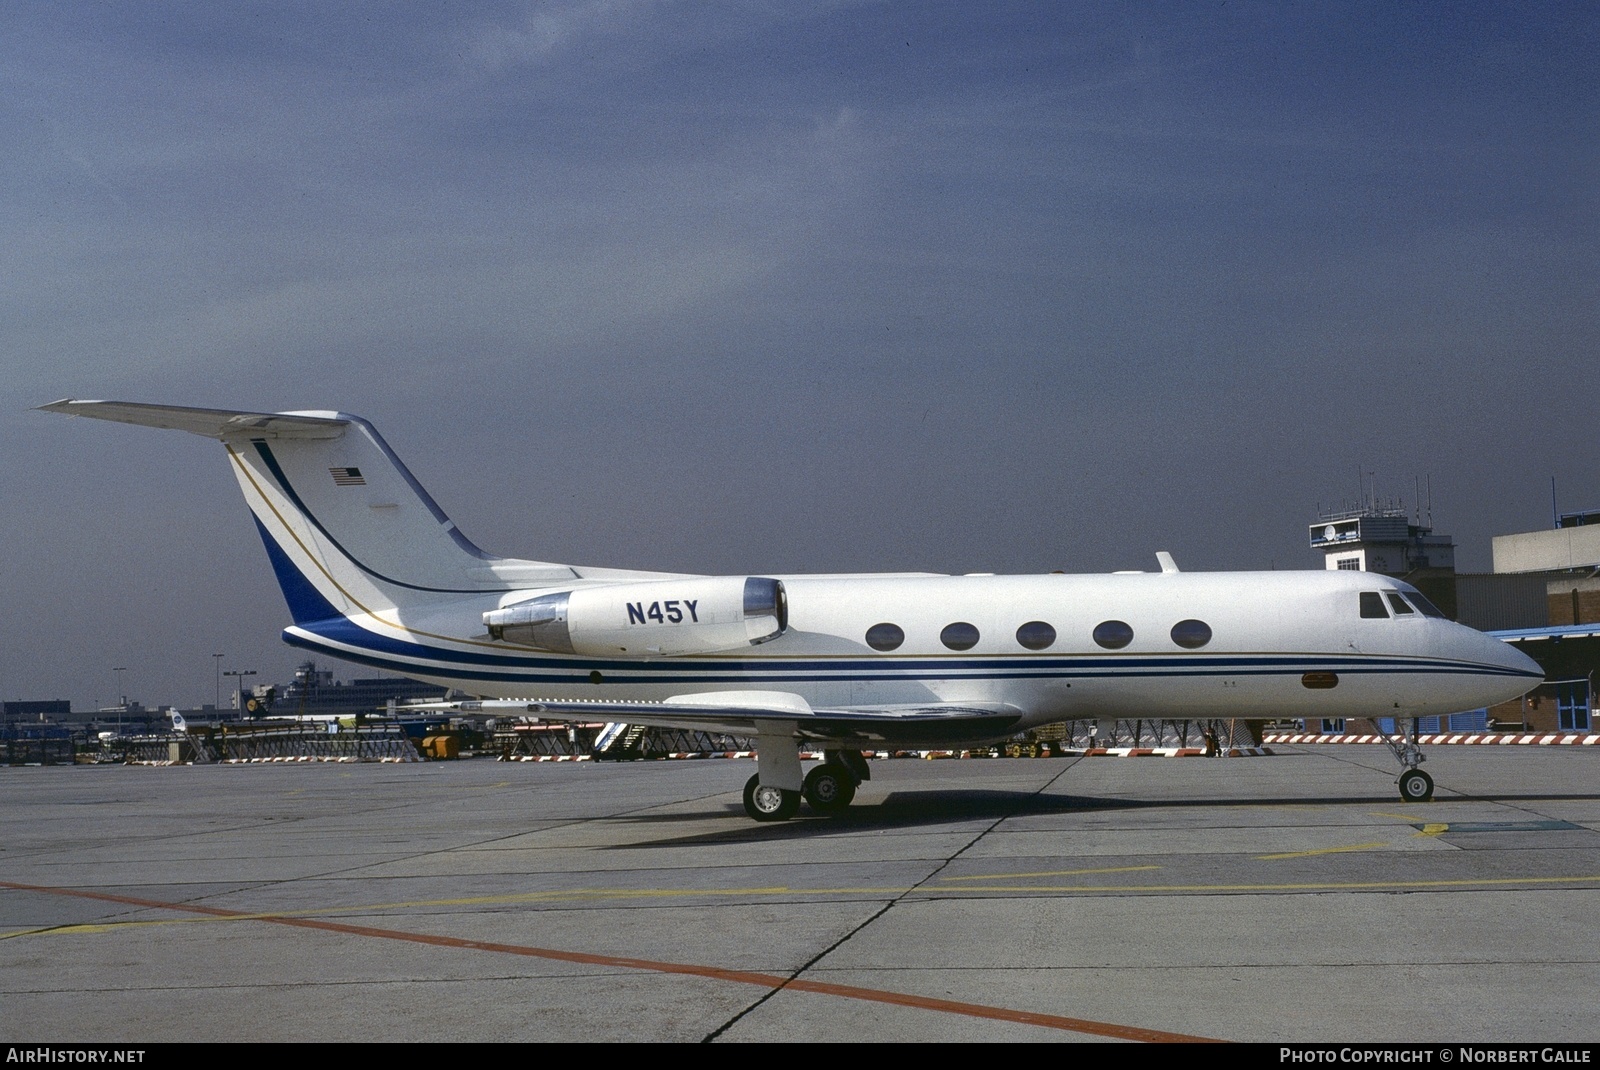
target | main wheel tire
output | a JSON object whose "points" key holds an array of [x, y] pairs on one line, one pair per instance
{"points": [[769, 804], [829, 788], [1416, 786]]}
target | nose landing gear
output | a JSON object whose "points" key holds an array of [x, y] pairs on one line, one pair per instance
{"points": [[1415, 785]]}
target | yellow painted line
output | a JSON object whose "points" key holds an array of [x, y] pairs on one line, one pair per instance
{"points": [[571, 895], [770, 982], [1432, 828], [1320, 851], [1050, 873], [1308, 886], [22, 932], [214, 915]]}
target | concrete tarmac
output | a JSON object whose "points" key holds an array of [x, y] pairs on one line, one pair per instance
{"points": [[1285, 898]]}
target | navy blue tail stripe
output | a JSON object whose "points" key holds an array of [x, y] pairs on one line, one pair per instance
{"points": [[306, 604]]}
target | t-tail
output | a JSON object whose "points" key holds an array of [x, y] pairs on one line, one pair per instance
{"points": [[349, 530]]}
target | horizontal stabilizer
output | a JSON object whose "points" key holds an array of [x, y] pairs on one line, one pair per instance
{"points": [[212, 423], [349, 529]]}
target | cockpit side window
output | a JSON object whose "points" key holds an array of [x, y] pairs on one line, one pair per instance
{"points": [[1399, 604], [1372, 605]]}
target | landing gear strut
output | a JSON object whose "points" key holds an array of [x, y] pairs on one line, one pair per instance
{"points": [[1415, 785]]}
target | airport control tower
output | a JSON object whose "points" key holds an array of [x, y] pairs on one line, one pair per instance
{"points": [[1376, 539], [1386, 539]]}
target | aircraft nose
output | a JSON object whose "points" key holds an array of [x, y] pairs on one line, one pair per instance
{"points": [[1513, 674], [1514, 660]]}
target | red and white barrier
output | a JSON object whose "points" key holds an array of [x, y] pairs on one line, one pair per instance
{"points": [[1493, 739]]}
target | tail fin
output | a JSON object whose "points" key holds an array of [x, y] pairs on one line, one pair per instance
{"points": [[348, 528]]}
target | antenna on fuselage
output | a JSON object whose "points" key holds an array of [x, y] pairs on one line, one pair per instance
{"points": [[1167, 563]]}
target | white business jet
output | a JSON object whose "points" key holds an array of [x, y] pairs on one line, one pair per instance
{"points": [[374, 572]]}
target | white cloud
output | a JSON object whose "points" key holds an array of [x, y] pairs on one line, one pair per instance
{"points": [[548, 30]]}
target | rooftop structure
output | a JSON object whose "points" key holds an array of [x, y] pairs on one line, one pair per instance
{"points": [[1572, 546], [42, 710], [1377, 539], [314, 690]]}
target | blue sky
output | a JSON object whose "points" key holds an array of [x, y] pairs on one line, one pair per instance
{"points": [[782, 287]]}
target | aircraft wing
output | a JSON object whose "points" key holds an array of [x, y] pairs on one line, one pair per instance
{"points": [[749, 713]]}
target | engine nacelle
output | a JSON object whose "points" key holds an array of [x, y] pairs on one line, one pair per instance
{"points": [[650, 618]]}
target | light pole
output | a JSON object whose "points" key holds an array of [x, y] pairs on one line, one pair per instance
{"points": [[122, 701], [241, 674], [217, 661]]}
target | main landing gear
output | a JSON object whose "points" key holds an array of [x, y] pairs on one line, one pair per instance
{"points": [[769, 803], [1415, 785], [828, 789]]}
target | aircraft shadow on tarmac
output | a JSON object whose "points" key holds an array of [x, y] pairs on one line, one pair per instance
{"points": [[901, 809], [911, 809]]}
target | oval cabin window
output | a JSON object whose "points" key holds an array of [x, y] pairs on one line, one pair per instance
{"points": [[959, 636], [885, 636], [1113, 634], [1191, 634], [1036, 635]]}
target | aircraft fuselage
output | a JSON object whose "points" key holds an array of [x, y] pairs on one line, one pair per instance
{"points": [[1276, 645]]}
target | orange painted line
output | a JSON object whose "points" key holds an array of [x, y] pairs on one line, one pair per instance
{"points": [[714, 973]]}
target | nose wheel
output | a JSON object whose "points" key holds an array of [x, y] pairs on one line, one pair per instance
{"points": [[1416, 786]]}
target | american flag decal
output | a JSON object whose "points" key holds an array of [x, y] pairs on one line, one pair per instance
{"points": [[347, 477]]}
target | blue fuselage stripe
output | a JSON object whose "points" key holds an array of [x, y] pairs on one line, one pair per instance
{"points": [[344, 639]]}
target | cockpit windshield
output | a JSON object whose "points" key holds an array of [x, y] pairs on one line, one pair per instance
{"points": [[1402, 603], [1415, 597]]}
